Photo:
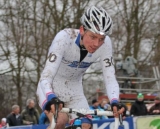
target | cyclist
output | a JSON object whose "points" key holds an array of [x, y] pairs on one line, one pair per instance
{"points": [[71, 53]]}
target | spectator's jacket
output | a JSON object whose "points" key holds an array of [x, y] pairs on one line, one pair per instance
{"points": [[154, 107], [43, 119], [98, 117], [30, 115], [138, 108], [13, 121]]}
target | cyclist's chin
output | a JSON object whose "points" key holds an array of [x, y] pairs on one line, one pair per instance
{"points": [[91, 50]]}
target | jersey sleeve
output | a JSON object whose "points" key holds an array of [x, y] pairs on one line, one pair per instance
{"points": [[55, 54], [108, 69]]}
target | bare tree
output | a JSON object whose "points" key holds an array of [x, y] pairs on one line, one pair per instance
{"points": [[28, 30], [133, 19], [29, 26]]}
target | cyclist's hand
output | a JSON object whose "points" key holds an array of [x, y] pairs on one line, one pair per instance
{"points": [[116, 110], [121, 110], [51, 105], [53, 108]]}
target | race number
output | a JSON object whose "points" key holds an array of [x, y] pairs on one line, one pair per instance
{"points": [[108, 62], [52, 57]]}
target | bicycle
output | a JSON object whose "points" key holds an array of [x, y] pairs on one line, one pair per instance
{"points": [[83, 113]]}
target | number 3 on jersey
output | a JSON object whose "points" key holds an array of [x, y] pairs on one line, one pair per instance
{"points": [[108, 62]]}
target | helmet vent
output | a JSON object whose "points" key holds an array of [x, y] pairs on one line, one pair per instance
{"points": [[95, 16], [88, 25], [108, 28], [96, 25], [103, 22]]}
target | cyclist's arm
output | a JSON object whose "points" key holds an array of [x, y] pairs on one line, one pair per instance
{"points": [[55, 54], [111, 83]]}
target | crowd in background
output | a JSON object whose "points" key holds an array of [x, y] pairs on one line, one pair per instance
{"points": [[31, 116], [28, 116], [138, 108]]}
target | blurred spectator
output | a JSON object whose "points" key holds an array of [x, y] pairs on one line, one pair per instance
{"points": [[103, 103], [43, 119], [106, 105], [14, 118], [95, 105], [30, 114], [155, 109], [3, 123], [149, 105], [138, 108]]}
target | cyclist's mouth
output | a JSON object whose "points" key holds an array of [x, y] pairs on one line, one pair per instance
{"points": [[93, 49]]}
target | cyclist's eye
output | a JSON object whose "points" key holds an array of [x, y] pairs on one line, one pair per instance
{"points": [[102, 39], [92, 37]]}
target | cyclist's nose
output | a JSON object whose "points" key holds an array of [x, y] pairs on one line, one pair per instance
{"points": [[96, 43]]}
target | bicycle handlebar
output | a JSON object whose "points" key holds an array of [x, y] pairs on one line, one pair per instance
{"points": [[86, 112]]}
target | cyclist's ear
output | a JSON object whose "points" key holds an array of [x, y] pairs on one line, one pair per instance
{"points": [[81, 30]]}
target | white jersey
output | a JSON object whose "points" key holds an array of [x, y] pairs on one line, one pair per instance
{"points": [[63, 71]]}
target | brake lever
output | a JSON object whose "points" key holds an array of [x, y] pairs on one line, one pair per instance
{"points": [[56, 112], [120, 120]]}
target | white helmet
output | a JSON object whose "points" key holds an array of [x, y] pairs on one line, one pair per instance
{"points": [[97, 21]]}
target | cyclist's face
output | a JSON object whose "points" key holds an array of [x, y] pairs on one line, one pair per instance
{"points": [[91, 41]]}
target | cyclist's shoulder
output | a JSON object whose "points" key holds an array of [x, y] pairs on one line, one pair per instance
{"points": [[107, 40], [70, 32], [106, 46]]}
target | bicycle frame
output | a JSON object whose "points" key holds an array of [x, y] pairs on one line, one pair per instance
{"points": [[86, 112]]}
